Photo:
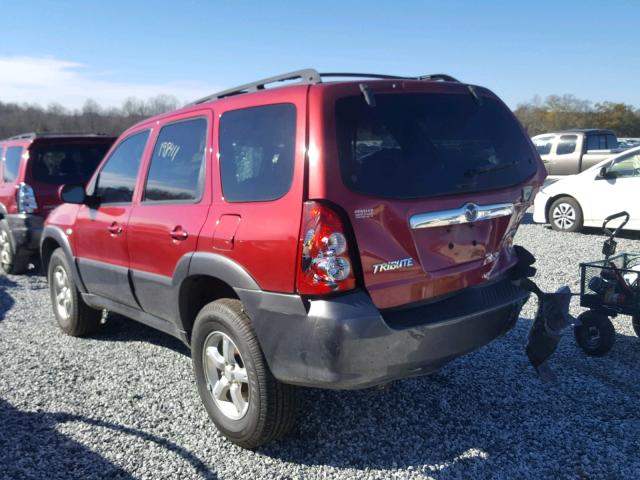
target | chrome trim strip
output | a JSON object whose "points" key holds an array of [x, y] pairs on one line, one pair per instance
{"points": [[468, 213]]}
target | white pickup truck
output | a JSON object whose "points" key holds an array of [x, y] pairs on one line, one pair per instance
{"points": [[573, 151]]}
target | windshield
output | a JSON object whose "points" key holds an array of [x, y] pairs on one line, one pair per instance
{"points": [[66, 163], [422, 145]]}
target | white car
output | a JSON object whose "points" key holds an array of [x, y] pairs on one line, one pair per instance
{"points": [[586, 199]]}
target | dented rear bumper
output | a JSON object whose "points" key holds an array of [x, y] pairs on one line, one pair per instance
{"points": [[345, 342]]}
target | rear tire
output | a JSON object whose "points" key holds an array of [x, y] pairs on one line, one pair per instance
{"points": [[246, 403], [565, 215], [74, 316], [12, 262], [595, 334]]}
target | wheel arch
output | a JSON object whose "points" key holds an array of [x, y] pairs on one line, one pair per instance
{"points": [[209, 277], [552, 200], [53, 238]]}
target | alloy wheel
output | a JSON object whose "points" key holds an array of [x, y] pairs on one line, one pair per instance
{"points": [[5, 250], [226, 375], [62, 292], [564, 216]]}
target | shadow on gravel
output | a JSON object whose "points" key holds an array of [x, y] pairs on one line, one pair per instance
{"points": [[6, 300], [122, 329], [32, 447], [482, 418]]}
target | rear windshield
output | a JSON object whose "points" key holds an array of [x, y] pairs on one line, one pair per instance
{"points": [[422, 145], [66, 163]]}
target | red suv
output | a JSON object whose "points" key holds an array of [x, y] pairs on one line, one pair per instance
{"points": [[337, 234], [34, 166]]}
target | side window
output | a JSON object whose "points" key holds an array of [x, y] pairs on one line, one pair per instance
{"points": [[596, 142], [257, 150], [543, 145], [612, 142], [117, 178], [627, 166], [567, 144], [177, 166], [12, 163]]}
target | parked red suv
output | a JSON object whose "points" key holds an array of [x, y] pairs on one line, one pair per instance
{"points": [[34, 167], [336, 234]]}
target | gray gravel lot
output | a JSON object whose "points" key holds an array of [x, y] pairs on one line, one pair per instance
{"points": [[123, 404]]}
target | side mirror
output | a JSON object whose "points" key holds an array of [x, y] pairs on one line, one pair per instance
{"points": [[606, 173], [73, 194]]}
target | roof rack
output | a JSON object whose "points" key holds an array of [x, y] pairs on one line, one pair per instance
{"points": [[312, 76], [32, 135]]}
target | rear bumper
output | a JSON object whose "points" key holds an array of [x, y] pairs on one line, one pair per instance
{"points": [[26, 230], [347, 343]]}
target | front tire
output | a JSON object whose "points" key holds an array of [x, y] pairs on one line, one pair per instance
{"points": [[565, 215], [595, 334], [246, 403], [74, 316]]}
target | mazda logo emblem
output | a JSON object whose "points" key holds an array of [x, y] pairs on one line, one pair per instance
{"points": [[471, 212]]}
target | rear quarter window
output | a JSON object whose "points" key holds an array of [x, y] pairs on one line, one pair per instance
{"points": [[257, 149], [12, 163]]}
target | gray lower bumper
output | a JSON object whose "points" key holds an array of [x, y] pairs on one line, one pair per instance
{"points": [[345, 342]]}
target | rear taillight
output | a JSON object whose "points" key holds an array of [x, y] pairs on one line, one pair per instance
{"points": [[26, 199], [324, 265]]}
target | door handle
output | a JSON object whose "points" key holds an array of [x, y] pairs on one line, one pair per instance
{"points": [[178, 233], [115, 228]]}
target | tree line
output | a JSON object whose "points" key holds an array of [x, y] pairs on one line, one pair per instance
{"points": [[561, 112], [91, 118], [555, 112]]}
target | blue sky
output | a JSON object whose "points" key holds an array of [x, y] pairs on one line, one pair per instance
{"points": [[67, 51]]}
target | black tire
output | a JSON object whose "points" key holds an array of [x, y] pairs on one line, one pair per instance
{"points": [[565, 215], [11, 261], [272, 405], [595, 334], [635, 322], [81, 319]]}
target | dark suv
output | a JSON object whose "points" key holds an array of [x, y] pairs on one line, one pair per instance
{"points": [[337, 234], [34, 167]]}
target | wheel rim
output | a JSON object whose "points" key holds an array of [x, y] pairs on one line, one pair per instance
{"points": [[5, 249], [226, 375], [62, 292], [564, 216]]}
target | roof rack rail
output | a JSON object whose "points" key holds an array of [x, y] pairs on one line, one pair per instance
{"points": [[308, 75], [32, 135], [365, 75], [434, 76], [311, 76], [443, 77]]}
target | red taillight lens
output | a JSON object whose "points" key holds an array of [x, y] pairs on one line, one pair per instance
{"points": [[324, 265]]}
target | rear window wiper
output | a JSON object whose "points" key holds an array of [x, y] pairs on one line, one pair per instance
{"points": [[475, 171]]}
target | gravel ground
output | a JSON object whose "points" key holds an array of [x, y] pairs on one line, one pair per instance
{"points": [[123, 404]]}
